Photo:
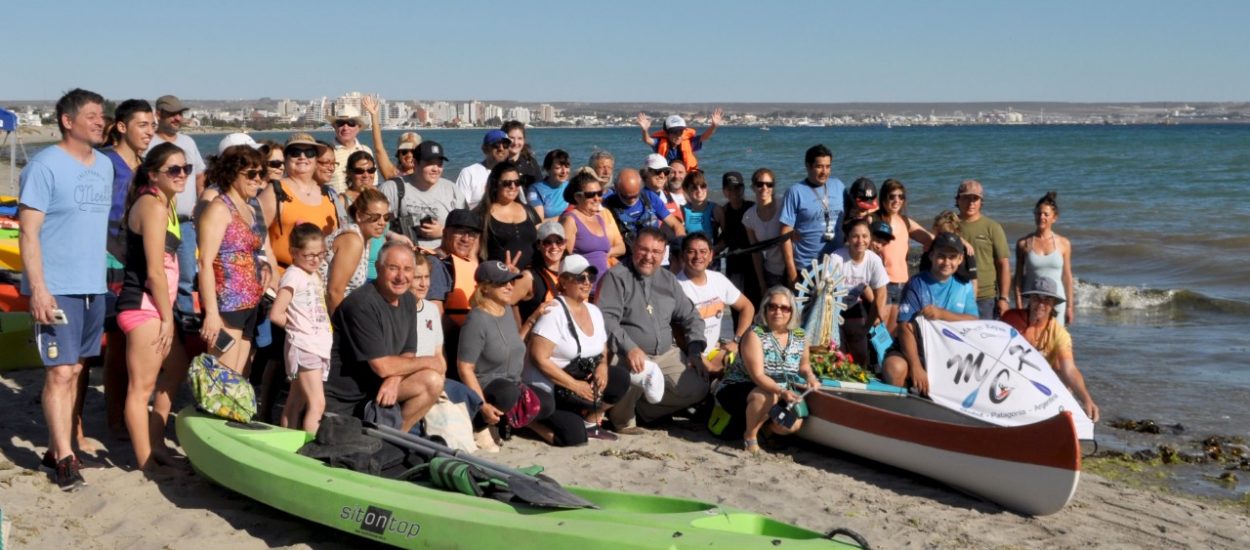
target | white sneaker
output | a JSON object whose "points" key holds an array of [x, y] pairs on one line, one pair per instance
{"points": [[651, 380]]}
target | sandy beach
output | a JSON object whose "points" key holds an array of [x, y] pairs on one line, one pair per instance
{"points": [[807, 485]]}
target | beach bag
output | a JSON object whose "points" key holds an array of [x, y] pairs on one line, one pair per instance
{"points": [[580, 368], [449, 421], [526, 409], [220, 391], [880, 340]]}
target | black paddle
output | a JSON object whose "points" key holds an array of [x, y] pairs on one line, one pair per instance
{"points": [[537, 490], [761, 245]]}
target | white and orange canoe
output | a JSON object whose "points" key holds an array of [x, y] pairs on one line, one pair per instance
{"points": [[1031, 469]]}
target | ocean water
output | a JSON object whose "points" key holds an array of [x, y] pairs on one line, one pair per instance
{"points": [[1158, 217]]}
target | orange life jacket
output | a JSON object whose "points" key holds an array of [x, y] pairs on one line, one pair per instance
{"points": [[456, 306], [687, 148]]}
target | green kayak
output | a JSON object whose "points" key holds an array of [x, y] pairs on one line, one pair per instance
{"points": [[262, 464]]}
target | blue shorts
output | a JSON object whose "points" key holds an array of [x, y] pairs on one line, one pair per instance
{"points": [[894, 291], [71, 343]]}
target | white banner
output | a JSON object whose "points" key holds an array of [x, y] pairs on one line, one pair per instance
{"points": [[987, 370]]}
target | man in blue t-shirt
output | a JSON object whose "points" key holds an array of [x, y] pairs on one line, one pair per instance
{"points": [[935, 295], [634, 208], [813, 211], [65, 195]]}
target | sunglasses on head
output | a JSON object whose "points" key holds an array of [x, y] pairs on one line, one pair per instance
{"points": [[359, 171], [349, 122], [178, 170], [275, 164], [509, 183], [306, 152], [767, 184]]}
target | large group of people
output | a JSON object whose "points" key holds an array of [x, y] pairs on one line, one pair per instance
{"points": [[574, 303]]}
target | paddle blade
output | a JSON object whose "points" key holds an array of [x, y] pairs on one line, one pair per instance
{"points": [[947, 333], [971, 399], [1042, 388]]}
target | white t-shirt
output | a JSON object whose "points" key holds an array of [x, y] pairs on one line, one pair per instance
{"points": [[435, 202], [774, 262], [307, 322], [868, 273], [712, 300], [472, 182], [429, 328], [554, 326], [187, 198]]}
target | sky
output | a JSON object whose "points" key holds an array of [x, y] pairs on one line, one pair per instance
{"points": [[608, 51]]}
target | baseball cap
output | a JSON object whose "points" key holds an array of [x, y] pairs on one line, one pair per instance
{"points": [[170, 104], [237, 138], [495, 136], [948, 240], [548, 229], [430, 150], [656, 162], [1044, 286], [970, 187], [495, 272], [463, 217], [732, 179], [576, 264], [882, 230], [674, 122]]}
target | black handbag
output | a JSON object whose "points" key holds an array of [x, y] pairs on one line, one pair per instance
{"points": [[580, 368]]}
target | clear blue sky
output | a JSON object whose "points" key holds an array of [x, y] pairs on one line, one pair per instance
{"points": [[780, 51]]}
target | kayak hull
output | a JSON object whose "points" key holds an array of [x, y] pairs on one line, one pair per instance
{"points": [[1031, 469], [17, 340], [262, 464]]}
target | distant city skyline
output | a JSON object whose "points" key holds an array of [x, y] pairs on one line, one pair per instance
{"points": [[562, 51]]}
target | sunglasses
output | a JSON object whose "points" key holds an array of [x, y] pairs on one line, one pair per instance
{"points": [[553, 242], [697, 186], [584, 277], [509, 183], [403, 152], [276, 164], [767, 184], [359, 171], [590, 194], [306, 152], [349, 122], [373, 218], [778, 307], [251, 174], [178, 171], [313, 256], [899, 196]]}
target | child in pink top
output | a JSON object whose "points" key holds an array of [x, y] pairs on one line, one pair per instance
{"points": [[300, 308]]}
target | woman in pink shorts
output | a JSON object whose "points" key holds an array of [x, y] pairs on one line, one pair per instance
{"points": [[155, 359]]}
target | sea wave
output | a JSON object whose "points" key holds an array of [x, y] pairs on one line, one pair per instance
{"points": [[1096, 295]]}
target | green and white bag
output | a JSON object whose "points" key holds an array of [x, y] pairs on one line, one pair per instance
{"points": [[220, 391]]}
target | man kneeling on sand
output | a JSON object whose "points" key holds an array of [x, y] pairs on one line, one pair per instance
{"points": [[375, 342]]}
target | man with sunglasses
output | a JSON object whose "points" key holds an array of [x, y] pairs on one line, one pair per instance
{"points": [[635, 208], [347, 124], [496, 147], [422, 200], [169, 117], [64, 201]]}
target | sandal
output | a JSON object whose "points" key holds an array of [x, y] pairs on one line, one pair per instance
{"points": [[751, 445]]}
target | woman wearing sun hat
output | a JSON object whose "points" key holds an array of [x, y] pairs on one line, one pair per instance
{"points": [[297, 198], [1039, 324]]}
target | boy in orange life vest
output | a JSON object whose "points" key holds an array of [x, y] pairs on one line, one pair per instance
{"points": [[676, 140]]}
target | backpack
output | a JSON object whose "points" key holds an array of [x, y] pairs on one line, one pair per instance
{"points": [[280, 196]]}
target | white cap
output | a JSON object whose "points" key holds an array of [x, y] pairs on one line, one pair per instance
{"points": [[651, 380], [674, 121], [656, 162], [237, 138], [548, 229], [350, 111], [574, 264]]}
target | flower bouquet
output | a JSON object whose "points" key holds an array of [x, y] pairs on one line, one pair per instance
{"points": [[833, 364]]}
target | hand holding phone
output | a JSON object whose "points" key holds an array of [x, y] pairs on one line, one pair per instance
{"points": [[59, 318], [224, 341]]}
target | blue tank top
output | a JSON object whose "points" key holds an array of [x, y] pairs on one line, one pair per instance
{"points": [[701, 220]]}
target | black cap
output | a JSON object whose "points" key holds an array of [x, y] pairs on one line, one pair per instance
{"points": [[882, 230], [494, 271], [430, 150], [463, 217], [863, 188], [732, 179], [949, 240]]}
